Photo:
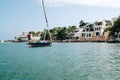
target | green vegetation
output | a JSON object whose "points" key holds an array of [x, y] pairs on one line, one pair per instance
{"points": [[115, 29], [91, 27], [108, 29], [57, 33], [82, 23], [61, 33], [19, 39], [34, 33]]}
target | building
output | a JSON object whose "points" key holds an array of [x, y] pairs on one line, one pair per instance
{"points": [[86, 31], [83, 32], [99, 27], [23, 37], [92, 33]]}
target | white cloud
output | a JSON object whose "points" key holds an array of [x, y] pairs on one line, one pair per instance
{"points": [[99, 3]]}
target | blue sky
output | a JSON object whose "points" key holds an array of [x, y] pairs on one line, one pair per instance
{"points": [[17, 16]]}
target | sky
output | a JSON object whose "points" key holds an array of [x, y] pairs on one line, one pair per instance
{"points": [[17, 16]]}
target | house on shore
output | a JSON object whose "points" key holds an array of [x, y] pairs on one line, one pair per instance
{"points": [[25, 36], [92, 33], [83, 32], [99, 27]]}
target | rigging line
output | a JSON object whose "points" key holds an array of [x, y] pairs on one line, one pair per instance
{"points": [[44, 12], [46, 21]]}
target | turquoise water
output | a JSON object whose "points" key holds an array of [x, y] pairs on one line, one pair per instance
{"points": [[62, 61]]}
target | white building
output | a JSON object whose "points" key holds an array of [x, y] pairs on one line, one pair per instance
{"points": [[98, 30], [83, 32], [99, 27], [86, 32], [23, 36]]}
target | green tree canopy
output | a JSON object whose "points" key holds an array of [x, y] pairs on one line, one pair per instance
{"points": [[82, 23], [116, 27], [62, 34], [71, 28], [91, 27]]}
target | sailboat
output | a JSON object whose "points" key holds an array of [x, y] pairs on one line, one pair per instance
{"points": [[42, 43]]}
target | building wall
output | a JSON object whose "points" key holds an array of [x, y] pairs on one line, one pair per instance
{"points": [[24, 38], [86, 34]]}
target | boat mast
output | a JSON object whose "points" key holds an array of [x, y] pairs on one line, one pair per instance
{"points": [[46, 21]]}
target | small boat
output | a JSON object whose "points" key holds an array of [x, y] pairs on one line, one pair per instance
{"points": [[40, 44], [44, 42]]}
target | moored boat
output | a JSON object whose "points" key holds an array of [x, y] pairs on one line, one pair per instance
{"points": [[40, 44], [44, 42]]}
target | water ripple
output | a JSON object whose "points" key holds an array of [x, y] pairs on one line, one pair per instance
{"points": [[62, 61]]}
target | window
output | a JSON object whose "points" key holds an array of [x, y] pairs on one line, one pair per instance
{"points": [[106, 25], [99, 28], [89, 35], [83, 34], [103, 33], [95, 29], [97, 34], [77, 37], [87, 29], [83, 30]]}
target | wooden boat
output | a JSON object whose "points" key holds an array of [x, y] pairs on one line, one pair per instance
{"points": [[44, 42]]}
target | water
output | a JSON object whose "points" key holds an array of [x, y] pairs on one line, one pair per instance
{"points": [[62, 61]]}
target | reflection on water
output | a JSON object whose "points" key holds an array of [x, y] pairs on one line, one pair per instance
{"points": [[62, 61]]}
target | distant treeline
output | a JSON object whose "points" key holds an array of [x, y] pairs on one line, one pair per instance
{"points": [[57, 33], [62, 33]]}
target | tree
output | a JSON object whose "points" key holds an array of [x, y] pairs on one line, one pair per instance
{"points": [[91, 27], [19, 39], [47, 36], [116, 27], [54, 32], [42, 35], [37, 33], [108, 29], [82, 23], [71, 28], [32, 33], [62, 34]]}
